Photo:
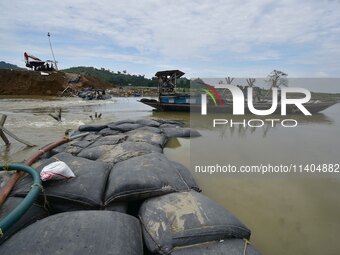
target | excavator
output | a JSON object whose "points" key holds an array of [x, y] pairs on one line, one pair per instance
{"points": [[37, 64]]}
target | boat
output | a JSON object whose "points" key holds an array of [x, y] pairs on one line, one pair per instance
{"points": [[137, 94], [313, 107], [170, 100]]}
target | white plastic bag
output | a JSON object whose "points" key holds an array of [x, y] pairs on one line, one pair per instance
{"points": [[56, 171]]}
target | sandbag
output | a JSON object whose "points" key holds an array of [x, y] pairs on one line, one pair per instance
{"points": [[166, 125], [180, 132], [85, 191], [125, 127], [95, 152], [81, 232], [91, 137], [118, 122], [139, 135], [116, 153], [150, 129], [142, 177], [186, 218], [121, 207], [225, 247], [171, 122], [59, 149], [94, 128], [81, 144], [185, 173], [74, 150], [73, 147], [108, 131], [109, 140], [150, 123], [36, 212], [76, 146]]}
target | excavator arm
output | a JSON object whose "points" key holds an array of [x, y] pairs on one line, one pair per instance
{"points": [[28, 56], [32, 61]]}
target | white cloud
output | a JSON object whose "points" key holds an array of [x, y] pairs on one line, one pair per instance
{"points": [[175, 31]]}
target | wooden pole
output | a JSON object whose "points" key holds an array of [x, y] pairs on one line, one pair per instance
{"points": [[2, 135], [56, 116], [4, 130]]}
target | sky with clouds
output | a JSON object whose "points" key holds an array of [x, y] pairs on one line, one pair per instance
{"points": [[203, 38]]}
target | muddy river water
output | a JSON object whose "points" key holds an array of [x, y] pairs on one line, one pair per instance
{"points": [[288, 214]]}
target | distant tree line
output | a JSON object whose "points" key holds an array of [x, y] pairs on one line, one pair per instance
{"points": [[4, 65], [121, 78]]}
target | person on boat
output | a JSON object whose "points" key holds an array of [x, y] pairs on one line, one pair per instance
{"points": [[167, 85]]}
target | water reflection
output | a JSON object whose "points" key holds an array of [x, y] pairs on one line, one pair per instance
{"points": [[173, 143], [305, 208], [183, 116]]}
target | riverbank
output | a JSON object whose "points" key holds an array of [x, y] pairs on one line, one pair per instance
{"points": [[25, 82], [58, 83]]}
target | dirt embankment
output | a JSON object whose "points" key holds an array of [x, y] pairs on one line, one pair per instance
{"points": [[18, 82]]}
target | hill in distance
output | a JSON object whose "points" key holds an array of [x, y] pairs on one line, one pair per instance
{"points": [[121, 78], [5, 65], [114, 78]]}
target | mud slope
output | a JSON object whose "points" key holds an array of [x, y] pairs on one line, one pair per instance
{"points": [[18, 82]]}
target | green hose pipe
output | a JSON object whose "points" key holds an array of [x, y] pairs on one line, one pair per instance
{"points": [[28, 201]]}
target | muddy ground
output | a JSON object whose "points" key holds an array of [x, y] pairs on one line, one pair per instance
{"points": [[24, 82]]}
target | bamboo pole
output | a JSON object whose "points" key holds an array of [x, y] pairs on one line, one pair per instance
{"points": [[4, 130], [2, 135]]}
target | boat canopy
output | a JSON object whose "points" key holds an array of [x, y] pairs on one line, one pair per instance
{"points": [[167, 81], [170, 73]]}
